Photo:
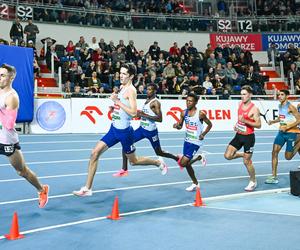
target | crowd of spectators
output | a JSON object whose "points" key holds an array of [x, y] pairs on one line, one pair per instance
{"points": [[94, 66]]}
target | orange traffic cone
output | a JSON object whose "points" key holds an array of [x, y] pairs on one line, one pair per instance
{"points": [[198, 201], [14, 233], [115, 211]]}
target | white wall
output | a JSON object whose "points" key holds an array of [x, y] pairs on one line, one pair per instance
{"points": [[143, 39]]}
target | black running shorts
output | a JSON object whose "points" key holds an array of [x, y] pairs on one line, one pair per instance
{"points": [[247, 141], [8, 149]]}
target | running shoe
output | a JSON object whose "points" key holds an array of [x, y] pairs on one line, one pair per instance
{"points": [[43, 196], [179, 162], [193, 187], [271, 180], [121, 173], [163, 166], [84, 191], [251, 186], [203, 159]]}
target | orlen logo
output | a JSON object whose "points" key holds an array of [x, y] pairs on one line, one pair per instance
{"points": [[89, 111], [175, 113]]}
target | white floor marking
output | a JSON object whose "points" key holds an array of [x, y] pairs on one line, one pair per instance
{"points": [[210, 199], [139, 187]]}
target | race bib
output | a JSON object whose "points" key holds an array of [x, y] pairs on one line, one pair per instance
{"points": [[241, 127]]}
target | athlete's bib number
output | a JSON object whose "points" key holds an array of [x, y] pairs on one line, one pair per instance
{"points": [[241, 127]]}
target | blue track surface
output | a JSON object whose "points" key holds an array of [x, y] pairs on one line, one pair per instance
{"points": [[157, 211]]}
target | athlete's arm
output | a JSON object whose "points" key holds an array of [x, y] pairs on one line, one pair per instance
{"points": [[273, 121], [178, 125], [255, 117], [8, 116], [202, 116], [156, 108]]}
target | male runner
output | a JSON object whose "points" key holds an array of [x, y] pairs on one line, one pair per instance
{"points": [[194, 136], [150, 114], [9, 139], [125, 107], [248, 119], [289, 119]]}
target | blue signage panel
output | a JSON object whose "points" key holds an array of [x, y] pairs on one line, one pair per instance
{"points": [[282, 40]]}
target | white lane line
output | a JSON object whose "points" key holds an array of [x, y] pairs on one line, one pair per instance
{"points": [[252, 211], [120, 158], [94, 141], [139, 187], [215, 198], [132, 170], [138, 147]]}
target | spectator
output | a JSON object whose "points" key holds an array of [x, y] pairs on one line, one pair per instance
{"points": [[131, 52], [154, 51], [94, 45], [231, 74], [207, 84], [31, 30], [118, 56], [16, 32], [174, 50], [192, 50], [273, 49]]}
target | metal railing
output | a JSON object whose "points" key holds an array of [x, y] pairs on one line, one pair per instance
{"points": [[149, 21]]}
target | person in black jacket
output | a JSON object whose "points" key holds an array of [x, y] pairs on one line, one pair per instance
{"points": [[16, 31]]}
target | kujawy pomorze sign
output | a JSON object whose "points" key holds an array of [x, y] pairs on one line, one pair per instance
{"points": [[248, 42]]}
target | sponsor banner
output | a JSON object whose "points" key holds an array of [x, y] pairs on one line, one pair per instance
{"points": [[51, 116], [282, 41], [87, 115], [94, 115], [250, 42]]}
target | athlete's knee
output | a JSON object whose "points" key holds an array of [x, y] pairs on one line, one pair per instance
{"points": [[23, 172], [134, 161], [246, 161], [95, 154], [288, 155], [228, 156]]}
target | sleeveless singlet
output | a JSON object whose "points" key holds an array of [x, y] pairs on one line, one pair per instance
{"points": [[194, 128], [120, 119], [7, 136], [148, 124], [241, 127]]}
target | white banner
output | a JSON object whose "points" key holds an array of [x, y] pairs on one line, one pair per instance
{"points": [[51, 116], [92, 115]]}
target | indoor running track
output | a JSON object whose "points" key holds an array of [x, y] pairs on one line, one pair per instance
{"points": [[157, 211]]}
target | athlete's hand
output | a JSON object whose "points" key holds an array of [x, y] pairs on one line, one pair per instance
{"points": [[270, 123], [283, 128], [177, 126], [201, 137], [114, 97], [139, 113]]}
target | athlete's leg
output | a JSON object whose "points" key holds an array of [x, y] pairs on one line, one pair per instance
{"points": [[275, 151], [293, 145], [162, 153], [141, 160], [18, 162], [250, 168], [93, 163], [185, 162], [232, 153]]}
